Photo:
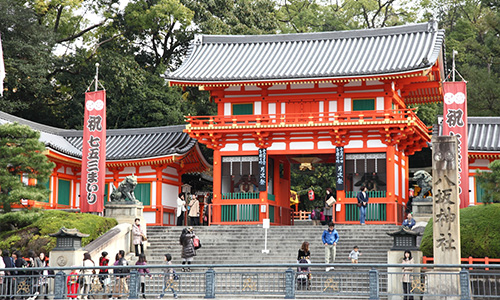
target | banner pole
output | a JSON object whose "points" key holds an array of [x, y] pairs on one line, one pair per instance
{"points": [[453, 64], [97, 74]]}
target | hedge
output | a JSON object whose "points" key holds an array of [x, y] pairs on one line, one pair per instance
{"points": [[29, 229], [479, 232]]}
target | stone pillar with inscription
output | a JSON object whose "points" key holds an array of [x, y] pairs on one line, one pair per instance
{"points": [[446, 218]]}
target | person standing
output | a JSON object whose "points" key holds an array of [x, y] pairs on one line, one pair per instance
{"points": [[87, 275], [194, 211], [362, 204], [409, 222], [138, 236], [188, 251], [121, 286], [330, 238], [34, 262], [9, 263], [2, 274], [169, 273], [104, 273], [181, 208], [142, 273], [72, 284], [328, 209], [407, 260]]}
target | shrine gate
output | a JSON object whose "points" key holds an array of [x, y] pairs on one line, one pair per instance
{"points": [[291, 98]]}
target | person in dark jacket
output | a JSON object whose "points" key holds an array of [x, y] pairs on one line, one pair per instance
{"points": [[9, 263], [188, 251], [362, 204]]}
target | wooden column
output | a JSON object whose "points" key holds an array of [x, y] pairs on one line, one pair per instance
{"points": [[391, 198], [217, 177]]}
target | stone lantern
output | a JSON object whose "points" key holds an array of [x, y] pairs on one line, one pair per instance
{"points": [[404, 239], [68, 250]]}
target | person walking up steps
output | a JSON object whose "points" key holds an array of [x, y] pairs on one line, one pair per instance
{"points": [[168, 277], [330, 238]]}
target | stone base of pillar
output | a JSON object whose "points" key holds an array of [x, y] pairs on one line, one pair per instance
{"points": [[395, 276]]}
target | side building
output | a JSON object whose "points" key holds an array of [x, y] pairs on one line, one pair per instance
{"points": [[483, 135], [158, 156], [345, 97]]}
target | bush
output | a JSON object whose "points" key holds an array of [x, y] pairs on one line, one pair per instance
{"points": [[29, 230], [479, 232]]}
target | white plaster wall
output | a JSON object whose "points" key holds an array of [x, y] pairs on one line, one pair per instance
{"points": [[479, 163], [375, 144], [354, 144], [301, 145], [277, 146], [230, 147], [153, 194], [127, 171], [472, 190], [403, 183], [258, 108], [271, 108], [149, 217], [146, 169], [249, 147], [380, 103], [396, 179], [227, 109], [325, 145], [171, 171], [169, 194], [347, 104], [283, 108]]}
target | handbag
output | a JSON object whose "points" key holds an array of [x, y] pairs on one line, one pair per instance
{"points": [[196, 243], [359, 204], [331, 201], [144, 238]]}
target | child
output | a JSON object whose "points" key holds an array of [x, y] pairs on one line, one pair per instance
{"points": [[354, 255], [72, 284], [169, 277]]}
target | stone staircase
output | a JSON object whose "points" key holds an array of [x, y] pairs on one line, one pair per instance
{"points": [[238, 244]]}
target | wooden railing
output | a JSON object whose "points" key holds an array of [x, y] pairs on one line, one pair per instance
{"points": [[306, 119], [371, 194]]}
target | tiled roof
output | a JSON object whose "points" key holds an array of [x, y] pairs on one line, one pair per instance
{"points": [[483, 133], [340, 54], [120, 143]]}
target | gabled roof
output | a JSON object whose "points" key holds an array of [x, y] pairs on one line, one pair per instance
{"points": [[340, 54], [483, 133], [121, 144]]}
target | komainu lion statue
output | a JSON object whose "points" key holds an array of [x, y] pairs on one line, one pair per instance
{"points": [[125, 190], [424, 181]]}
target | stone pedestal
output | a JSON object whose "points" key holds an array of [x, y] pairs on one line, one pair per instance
{"points": [[126, 212], [422, 210], [66, 258], [395, 276]]}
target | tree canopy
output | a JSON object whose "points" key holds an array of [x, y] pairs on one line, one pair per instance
{"points": [[22, 159], [490, 182]]}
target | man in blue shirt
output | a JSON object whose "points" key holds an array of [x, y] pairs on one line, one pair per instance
{"points": [[330, 238], [409, 222]]}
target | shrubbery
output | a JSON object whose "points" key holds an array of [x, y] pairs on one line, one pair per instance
{"points": [[29, 230], [479, 232]]}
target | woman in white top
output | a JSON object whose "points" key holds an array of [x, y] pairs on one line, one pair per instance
{"points": [[181, 208], [87, 274], [407, 270]]}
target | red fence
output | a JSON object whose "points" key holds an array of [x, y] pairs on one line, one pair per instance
{"points": [[468, 260]]}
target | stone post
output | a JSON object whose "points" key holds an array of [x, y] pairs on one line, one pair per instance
{"points": [[446, 205], [446, 218]]}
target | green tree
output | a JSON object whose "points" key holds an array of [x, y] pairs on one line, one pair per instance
{"points": [[490, 182], [21, 156], [322, 177]]}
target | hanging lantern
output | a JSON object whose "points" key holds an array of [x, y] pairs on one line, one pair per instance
{"points": [[310, 194]]}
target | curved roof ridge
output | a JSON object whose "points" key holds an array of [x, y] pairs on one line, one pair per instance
{"points": [[311, 36]]}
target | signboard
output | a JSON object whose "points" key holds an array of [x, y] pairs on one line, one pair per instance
{"points": [[93, 153], [455, 124], [339, 165], [262, 169]]}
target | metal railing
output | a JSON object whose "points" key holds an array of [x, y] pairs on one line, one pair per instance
{"points": [[373, 281]]}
